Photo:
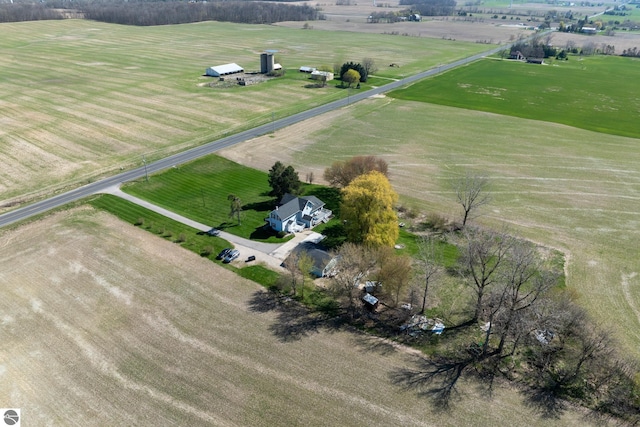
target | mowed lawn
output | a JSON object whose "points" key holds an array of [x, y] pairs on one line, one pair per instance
{"points": [[103, 323], [597, 93], [567, 188], [80, 99]]}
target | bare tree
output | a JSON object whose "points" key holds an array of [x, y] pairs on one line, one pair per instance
{"points": [[310, 177], [521, 281], [353, 263], [471, 192], [429, 267], [291, 264], [394, 274], [483, 256], [235, 207], [369, 66]]}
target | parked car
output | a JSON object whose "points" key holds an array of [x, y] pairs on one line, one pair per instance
{"points": [[213, 232], [223, 253], [233, 254]]}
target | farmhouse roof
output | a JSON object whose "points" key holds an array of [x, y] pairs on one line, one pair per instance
{"points": [[291, 205]]}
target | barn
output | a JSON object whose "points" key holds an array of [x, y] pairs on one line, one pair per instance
{"points": [[223, 70]]}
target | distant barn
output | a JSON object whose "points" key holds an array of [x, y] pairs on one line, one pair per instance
{"points": [[223, 70]]}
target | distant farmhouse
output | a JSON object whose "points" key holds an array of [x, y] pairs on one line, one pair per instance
{"points": [[294, 214], [224, 70]]}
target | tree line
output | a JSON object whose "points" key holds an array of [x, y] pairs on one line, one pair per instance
{"points": [[20, 12], [144, 13], [162, 13], [431, 7]]}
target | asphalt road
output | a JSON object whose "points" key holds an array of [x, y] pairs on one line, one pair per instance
{"points": [[211, 147]]}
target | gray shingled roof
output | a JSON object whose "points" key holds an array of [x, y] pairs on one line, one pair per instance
{"points": [[290, 205]]}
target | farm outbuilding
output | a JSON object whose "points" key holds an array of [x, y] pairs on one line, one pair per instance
{"points": [[223, 70], [306, 69], [318, 75]]}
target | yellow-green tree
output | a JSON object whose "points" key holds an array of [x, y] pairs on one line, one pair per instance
{"points": [[351, 77], [367, 210]]}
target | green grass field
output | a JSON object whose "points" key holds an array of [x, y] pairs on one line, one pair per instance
{"points": [[199, 190], [81, 99], [595, 93]]}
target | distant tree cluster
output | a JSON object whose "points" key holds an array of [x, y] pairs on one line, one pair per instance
{"points": [[149, 12], [536, 48], [362, 72], [176, 12], [340, 174], [631, 52], [387, 17], [431, 7], [18, 12]]}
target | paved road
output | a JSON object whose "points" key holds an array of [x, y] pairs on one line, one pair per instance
{"points": [[194, 153]]}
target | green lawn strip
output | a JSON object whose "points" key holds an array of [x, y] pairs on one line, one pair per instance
{"points": [[199, 191], [594, 93], [258, 274], [169, 229]]}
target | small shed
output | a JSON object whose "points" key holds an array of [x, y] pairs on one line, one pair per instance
{"points": [[318, 75], [370, 301], [305, 69], [223, 70]]}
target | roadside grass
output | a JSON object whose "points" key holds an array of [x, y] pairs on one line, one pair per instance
{"points": [[185, 236], [580, 92], [89, 98], [199, 190], [176, 232]]}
